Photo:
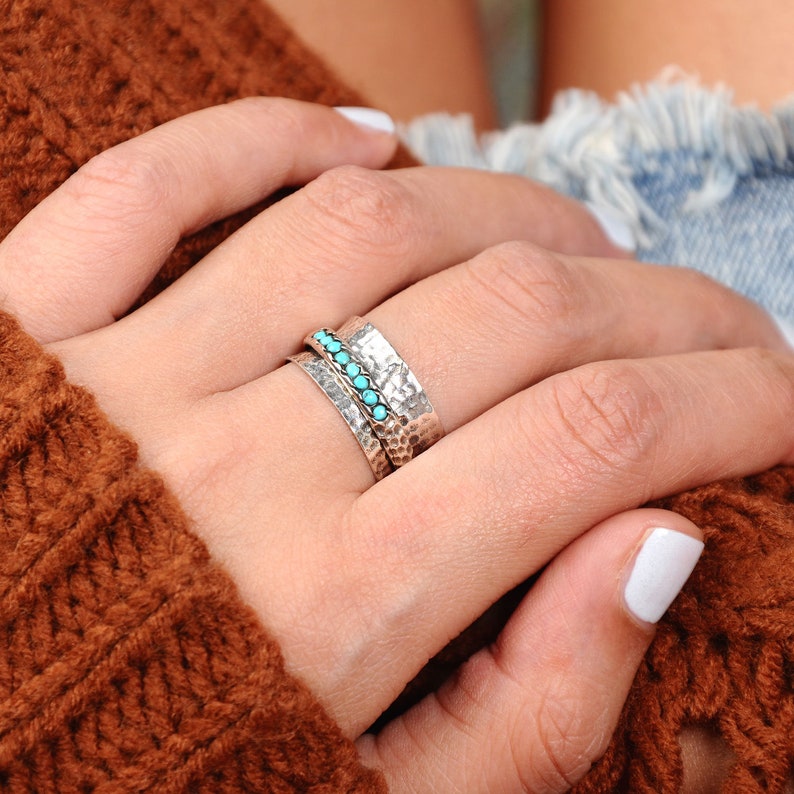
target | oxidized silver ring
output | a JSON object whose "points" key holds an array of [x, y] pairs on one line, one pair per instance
{"points": [[365, 378]]}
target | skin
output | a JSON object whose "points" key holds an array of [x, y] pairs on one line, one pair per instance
{"points": [[606, 45], [436, 59], [434, 63], [577, 415], [602, 45]]}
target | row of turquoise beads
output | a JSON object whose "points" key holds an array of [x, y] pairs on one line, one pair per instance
{"points": [[360, 381]]}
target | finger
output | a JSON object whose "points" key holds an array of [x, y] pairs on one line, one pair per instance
{"points": [[583, 444], [497, 499], [81, 258], [338, 247], [516, 314], [489, 504], [512, 316], [533, 712]]}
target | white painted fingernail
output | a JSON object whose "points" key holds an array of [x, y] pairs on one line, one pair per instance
{"points": [[786, 329], [369, 118], [661, 568], [614, 226]]}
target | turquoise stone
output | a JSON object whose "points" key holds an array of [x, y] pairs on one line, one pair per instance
{"points": [[352, 370], [334, 346], [379, 412], [360, 382], [369, 397], [342, 358], [319, 335]]}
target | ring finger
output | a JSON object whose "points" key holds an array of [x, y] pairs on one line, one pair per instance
{"points": [[479, 332]]}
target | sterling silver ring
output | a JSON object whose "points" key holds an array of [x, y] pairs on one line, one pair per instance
{"points": [[374, 390]]}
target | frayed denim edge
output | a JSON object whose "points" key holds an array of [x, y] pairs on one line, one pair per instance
{"points": [[594, 149]]}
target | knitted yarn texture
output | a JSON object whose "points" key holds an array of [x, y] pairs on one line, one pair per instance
{"points": [[723, 657], [127, 660]]}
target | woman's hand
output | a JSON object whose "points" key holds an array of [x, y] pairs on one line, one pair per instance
{"points": [[571, 389]]}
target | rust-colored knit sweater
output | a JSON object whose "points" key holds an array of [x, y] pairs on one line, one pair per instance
{"points": [[127, 660]]}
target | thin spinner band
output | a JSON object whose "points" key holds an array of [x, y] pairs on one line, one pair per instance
{"points": [[321, 372], [360, 385]]}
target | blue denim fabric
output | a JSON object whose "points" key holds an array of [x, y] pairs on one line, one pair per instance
{"points": [[699, 181]]}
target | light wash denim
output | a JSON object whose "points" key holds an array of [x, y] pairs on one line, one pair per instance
{"points": [[698, 181]]}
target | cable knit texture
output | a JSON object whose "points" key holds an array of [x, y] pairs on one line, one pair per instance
{"points": [[127, 660]]}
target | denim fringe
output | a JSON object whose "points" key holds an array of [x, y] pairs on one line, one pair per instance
{"points": [[594, 150]]}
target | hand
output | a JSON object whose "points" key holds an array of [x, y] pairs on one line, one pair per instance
{"points": [[568, 386]]}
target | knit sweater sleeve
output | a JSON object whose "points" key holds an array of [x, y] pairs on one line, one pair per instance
{"points": [[127, 661]]}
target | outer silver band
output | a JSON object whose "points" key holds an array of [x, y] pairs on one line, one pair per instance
{"points": [[322, 373], [419, 425]]}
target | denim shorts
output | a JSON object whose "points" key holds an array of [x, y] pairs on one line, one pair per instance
{"points": [[699, 181]]}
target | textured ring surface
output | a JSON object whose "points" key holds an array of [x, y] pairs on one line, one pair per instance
{"points": [[324, 375], [415, 425], [363, 389], [351, 372]]}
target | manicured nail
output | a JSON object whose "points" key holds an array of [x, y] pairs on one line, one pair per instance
{"points": [[614, 226], [369, 118], [661, 568]]}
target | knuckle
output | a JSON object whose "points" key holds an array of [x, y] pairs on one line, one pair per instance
{"points": [[115, 185], [529, 284], [367, 211], [609, 414], [705, 288], [774, 372], [709, 293], [284, 119], [568, 741]]}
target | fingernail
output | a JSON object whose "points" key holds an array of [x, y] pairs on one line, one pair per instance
{"points": [[786, 329], [614, 226], [661, 568], [369, 118]]}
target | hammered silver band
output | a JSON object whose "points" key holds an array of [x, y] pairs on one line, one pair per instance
{"points": [[418, 421], [375, 391], [324, 376]]}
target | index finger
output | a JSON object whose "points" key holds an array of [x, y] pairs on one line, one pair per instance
{"points": [[83, 256]]}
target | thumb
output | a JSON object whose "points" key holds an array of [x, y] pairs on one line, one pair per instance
{"points": [[533, 712]]}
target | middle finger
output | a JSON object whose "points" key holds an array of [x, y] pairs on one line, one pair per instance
{"points": [[338, 247], [477, 333]]}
